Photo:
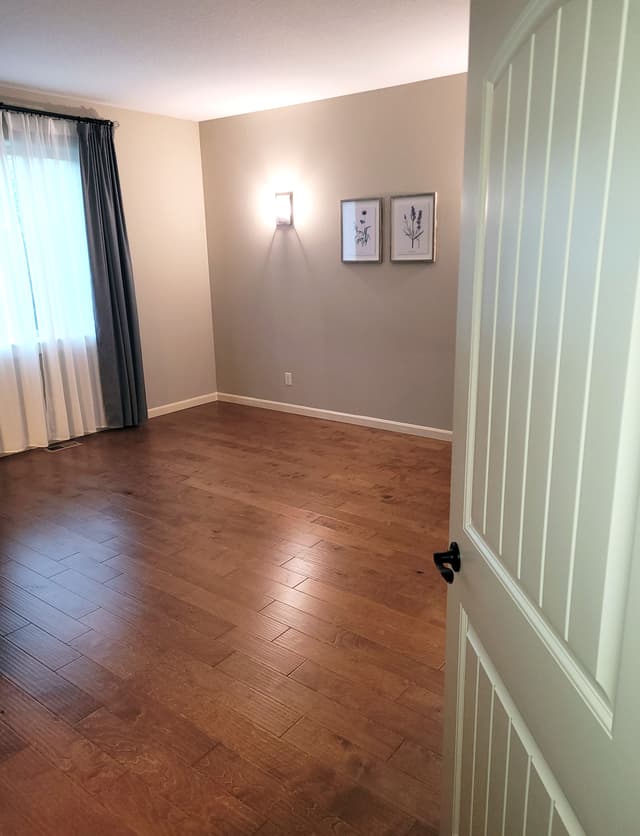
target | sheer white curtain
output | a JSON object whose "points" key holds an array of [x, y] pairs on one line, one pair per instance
{"points": [[49, 381]]}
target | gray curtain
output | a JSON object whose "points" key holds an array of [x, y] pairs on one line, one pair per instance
{"points": [[118, 333]]}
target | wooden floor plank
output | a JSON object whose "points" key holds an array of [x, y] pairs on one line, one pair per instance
{"points": [[408, 598], [43, 646], [133, 746], [268, 653], [57, 741], [419, 642], [358, 646], [122, 659], [61, 807], [399, 788], [276, 756], [10, 621], [56, 541], [364, 608], [30, 558], [158, 634], [93, 569], [427, 701], [10, 742], [39, 612], [217, 605], [287, 808], [147, 813], [170, 605], [422, 764], [147, 717], [15, 819], [343, 663], [271, 829], [43, 684], [265, 569], [375, 739], [422, 729], [311, 625], [46, 589]]}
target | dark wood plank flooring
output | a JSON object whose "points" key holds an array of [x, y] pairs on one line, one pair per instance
{"points": [[226, 622]]}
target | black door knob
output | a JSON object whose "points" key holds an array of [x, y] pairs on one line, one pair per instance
{"points": [[448, 562]]}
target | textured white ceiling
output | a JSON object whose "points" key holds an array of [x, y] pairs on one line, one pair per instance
{"points": [[199, 60]]}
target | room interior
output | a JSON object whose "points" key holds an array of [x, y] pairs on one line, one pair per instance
{"points": [[223, 619], [319, 396], [354, 343]]}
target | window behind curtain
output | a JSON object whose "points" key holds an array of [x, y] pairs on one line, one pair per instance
{"points": [[45, 281]]}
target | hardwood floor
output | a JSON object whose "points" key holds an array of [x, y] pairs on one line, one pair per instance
{"points": [[226, 622]]}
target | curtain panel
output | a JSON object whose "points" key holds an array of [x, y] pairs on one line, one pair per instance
{"points": [[116, 317], [49, 382]]}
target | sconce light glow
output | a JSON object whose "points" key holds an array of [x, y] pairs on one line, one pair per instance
{"points": [[284, 208]]}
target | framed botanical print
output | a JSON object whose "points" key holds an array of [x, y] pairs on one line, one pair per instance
{"points": [[413, 227], [361, 230]]}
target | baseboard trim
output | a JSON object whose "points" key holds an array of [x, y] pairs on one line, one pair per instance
{"points": [[341, 417], [166, 408]]}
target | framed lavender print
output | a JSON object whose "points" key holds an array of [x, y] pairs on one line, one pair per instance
{"points": [[413, 227], [361, 230]]}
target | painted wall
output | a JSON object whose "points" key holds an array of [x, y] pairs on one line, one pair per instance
{"points": [[161, 175], [374, 340]]}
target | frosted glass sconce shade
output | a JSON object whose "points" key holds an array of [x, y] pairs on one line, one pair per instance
{"points": [[284, 208]]}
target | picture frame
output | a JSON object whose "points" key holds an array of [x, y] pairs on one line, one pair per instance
{"points": [[413, 228], [361, 230]]}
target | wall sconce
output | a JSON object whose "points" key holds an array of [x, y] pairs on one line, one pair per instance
{"points": [[284, 208]]}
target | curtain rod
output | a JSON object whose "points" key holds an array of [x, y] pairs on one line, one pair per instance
{"points": [[53, 115]]}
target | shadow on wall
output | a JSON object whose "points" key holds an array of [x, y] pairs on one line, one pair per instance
{"points": [[27, 99]]}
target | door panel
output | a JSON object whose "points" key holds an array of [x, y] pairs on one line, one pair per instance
{"points": [[535, 195], [544, 242], [534, 394], [546, 442], [505, 784]]}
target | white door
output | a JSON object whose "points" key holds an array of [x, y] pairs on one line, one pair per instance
{"points": [[543, 655]]}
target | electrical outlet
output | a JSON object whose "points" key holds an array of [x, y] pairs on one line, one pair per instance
{"points": [[288, 379]]}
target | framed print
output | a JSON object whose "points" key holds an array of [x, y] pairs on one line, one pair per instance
{"points": [[361, 230], [413, 227]]}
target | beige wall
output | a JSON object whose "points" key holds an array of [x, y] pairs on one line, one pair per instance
{"points": [[375, 340], [160, 171]]}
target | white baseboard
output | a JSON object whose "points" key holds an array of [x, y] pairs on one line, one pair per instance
{"points": [[166, 408], [343, 417], [309, 411]]}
